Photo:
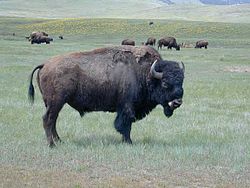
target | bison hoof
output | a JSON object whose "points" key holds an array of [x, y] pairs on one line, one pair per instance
{"points": [[127, 140], [57, 139], [52, 145]]}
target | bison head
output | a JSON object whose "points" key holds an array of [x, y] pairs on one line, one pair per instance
{"points": [[166, 85], [178, 47]]}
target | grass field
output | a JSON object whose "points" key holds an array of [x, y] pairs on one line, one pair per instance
{"points": [[205, 144], [191, 10]]}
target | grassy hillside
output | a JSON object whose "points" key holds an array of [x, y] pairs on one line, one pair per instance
{"points": [[207, 13], [142, 9], [65, 8], [128, 28], [225, 2], [205, 144], [186, 1]]}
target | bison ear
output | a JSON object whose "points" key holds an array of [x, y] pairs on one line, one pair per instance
{"points": [[182, 66], [153, 73]]}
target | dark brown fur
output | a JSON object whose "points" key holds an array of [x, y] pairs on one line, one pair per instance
{"points": [[151, 41], [201, 44], [41, 39], [170, 42], [114, 79], [37, 34]]}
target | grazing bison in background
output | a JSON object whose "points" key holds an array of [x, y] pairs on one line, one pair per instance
{"points": [[41, 39], [128, 42], [37, 34], [151, 41], [170, 42], [130, 81], [60, 37], [201, 44]]}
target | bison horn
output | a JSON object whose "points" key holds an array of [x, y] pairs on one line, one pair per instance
{"points": [[182, 66], [157, 75]]}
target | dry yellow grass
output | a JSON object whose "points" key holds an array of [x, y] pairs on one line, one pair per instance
{"points": [[21, 177]]}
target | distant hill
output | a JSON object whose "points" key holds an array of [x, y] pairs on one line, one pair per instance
{"points": [[191, 10], [211, 2], [224, 2]]}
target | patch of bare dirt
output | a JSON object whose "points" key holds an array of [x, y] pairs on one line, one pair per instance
{"points": [[21, 177], [237, 69], [11, 176]]}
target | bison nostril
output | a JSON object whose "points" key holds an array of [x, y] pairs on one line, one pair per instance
{"points": [[175, 103], [178, 100]]}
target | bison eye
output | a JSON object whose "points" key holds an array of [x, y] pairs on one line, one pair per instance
{"points": [[165, 85]]}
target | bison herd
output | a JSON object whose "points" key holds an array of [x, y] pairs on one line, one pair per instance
{"points": [[40, 37], [127, 79], [169, 42]]}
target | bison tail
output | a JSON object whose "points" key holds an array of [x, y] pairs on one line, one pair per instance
{"points": [[31, 91]]}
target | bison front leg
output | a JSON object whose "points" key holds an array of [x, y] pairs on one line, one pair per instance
{"points": [[123, 126], [123, 123]]}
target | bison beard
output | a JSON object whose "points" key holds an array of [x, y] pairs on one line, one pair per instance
{"points": [[128, 80]]}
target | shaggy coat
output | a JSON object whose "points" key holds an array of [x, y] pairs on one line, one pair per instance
{"points": [[120, 79]]}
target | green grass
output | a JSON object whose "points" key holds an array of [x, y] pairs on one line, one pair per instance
{"points": [[140, 9], [205, 143]]}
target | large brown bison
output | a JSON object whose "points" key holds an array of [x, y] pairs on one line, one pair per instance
{"points": [[151, 41], [170, 42], [201, 44], [128, 42], [130, 81]]}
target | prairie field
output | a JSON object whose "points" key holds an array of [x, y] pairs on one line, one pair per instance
{"points": [[206, 143], [191, 10]]}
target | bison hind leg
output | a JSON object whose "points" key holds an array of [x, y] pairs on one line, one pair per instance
{"points": [[49, 121]]}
